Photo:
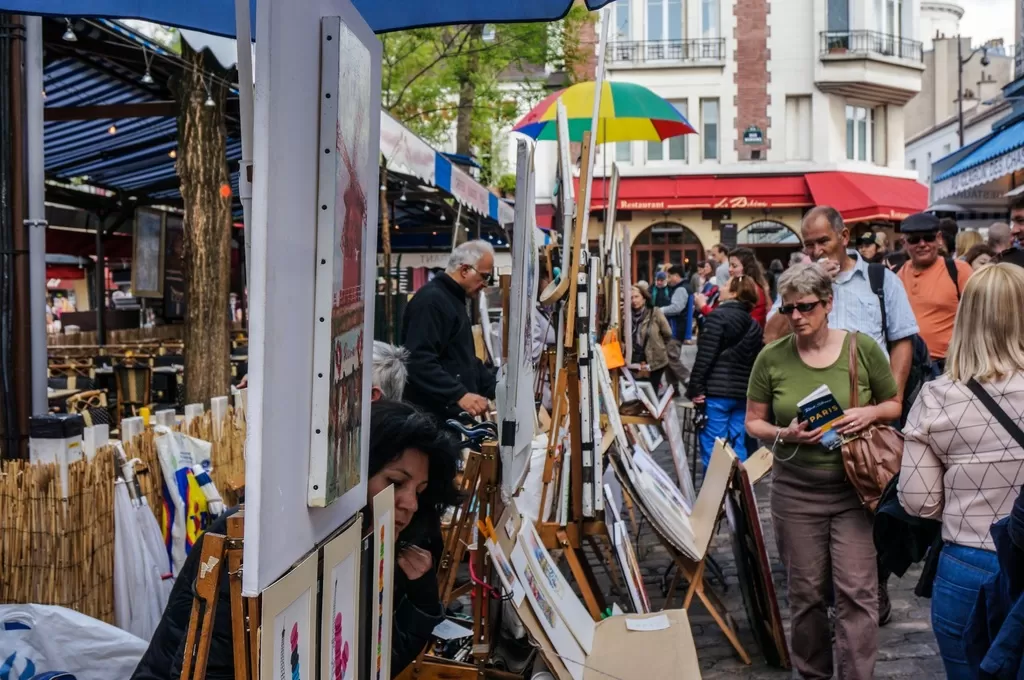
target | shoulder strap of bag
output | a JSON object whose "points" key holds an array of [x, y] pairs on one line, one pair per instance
{"points": [[982, 394], [876, 276], [854, 386], [953, 274]]}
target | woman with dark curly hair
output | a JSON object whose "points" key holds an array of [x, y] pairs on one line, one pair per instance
{"points": [[742, 262]]}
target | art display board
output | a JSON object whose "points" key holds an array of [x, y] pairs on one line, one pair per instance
{"points": [[627, 292], [348, 180], [279, 525], [509, 581], [148, 255], [517, 412], [666, 651], [339, 619], [609, 220], [586, 292], [626, 558], [674, 434], [383, 584], [753, 569], [288, 616]]}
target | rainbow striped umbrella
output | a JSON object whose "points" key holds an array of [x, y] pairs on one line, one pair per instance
{"points": [[628, 113]]}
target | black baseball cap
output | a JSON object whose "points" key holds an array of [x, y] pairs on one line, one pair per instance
{"points": [[920, 223], [868, 238]]}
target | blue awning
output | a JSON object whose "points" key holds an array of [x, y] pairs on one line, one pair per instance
{"points": [[218, 16], [998, 143]]}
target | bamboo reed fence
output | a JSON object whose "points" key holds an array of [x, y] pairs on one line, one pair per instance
{"points": [[61, 551]]}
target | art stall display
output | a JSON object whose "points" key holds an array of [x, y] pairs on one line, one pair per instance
{"points": [[673, 429], [503, 567], [148, 255], [627, 285], [586, 292], [339, 619], [515, 388], [753, 569], [344, 244], [383, 584], [626, 558], [289, 623]]}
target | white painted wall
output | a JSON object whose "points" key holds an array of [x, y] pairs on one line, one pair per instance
{"points": [[943, 140]]}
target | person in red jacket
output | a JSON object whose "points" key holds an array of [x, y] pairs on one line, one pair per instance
{"points": [[742, 262]]}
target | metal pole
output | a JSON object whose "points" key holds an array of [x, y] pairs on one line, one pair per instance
{"points": [[36, 222], [101, 288], [243, 42], [960, 89]]}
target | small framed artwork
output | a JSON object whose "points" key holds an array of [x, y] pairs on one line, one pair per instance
{"points": [[339, 621], [289, 623], [148, 255], [383, 583]]}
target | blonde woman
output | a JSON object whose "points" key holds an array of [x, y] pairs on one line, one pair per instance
{"points": [[966, 240], [960, 464]]}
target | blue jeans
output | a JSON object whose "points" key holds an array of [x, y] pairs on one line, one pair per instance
{"points": [[726, 421], [961, 573]]}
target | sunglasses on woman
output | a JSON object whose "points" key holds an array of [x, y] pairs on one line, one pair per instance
{"points": [[914, 239], [802, 307]]}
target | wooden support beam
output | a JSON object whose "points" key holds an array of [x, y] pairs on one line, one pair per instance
{"points": [[109, 111]]}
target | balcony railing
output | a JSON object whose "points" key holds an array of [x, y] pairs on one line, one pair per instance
{"points": [[870, 42], [666, 51]]}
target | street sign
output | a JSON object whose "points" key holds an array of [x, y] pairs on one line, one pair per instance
{"points": [[753, 135]]}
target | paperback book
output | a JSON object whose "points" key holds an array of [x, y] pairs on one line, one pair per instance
{"points": [[820, 409]]}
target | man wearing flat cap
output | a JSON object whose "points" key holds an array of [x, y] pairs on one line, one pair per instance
{"points": [[933, 283]]}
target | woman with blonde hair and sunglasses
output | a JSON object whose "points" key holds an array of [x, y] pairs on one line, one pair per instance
{"points": [[961, 464], [822, 529]]}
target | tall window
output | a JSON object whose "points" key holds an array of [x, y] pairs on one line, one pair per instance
{"points": [[859, 123], [709, 133], [621, 11], [672, 149], [890, 17], [664, 20], [709, 18], [839, 15], [623, 152]]}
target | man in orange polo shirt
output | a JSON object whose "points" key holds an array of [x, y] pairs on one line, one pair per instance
{"points": [[933, 283]]}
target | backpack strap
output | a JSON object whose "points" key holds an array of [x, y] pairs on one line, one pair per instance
{"points": [[953, 274], [1011, 427], [876, 276]]}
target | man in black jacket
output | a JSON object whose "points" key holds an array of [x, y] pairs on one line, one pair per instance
{"points": [[445, 375]]}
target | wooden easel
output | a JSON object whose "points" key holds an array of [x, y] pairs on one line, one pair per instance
{"points": [[245, 611]]}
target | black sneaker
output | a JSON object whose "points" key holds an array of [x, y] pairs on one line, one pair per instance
{"points": [[884, 606]]}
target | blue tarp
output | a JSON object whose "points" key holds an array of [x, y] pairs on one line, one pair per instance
{"points": [[218, 16], [998, 143]]}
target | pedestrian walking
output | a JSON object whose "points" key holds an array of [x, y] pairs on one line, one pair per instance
{"points": [[742, 262], [726, 349], [824, 533], [963, 461], [651, 335], [679, 313]]}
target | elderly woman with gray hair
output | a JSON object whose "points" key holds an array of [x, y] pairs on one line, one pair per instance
{"points": [[823, 531]]}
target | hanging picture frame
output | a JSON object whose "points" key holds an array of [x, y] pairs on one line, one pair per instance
{"points": [[339, 619], [289, 623], [346, 218], [148, 255], [383, 584]]}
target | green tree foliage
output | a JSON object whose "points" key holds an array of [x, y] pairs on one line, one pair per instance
{"points": [[473, 80]]}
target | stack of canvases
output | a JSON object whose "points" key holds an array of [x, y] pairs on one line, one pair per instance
{"points": [[55, 550]]}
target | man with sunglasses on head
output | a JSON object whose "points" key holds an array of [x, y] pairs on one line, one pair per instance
{"points": [[933, 283], [445, 375]]}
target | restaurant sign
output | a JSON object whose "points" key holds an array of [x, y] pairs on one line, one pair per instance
{"points": [[982, 174], [723, 203]]}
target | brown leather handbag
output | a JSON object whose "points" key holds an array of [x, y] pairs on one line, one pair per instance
{"points": [[873, 457]]}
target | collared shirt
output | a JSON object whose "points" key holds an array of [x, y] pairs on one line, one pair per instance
{"points": [[855, 307], [934, 298]]}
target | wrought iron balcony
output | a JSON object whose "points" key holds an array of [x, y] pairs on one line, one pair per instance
{"points": [[693, 50], [834, 43]]}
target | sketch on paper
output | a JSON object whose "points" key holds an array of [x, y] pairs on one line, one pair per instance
{"points": [[289, 607], [339, 642], [383, 581], [505, 573]]}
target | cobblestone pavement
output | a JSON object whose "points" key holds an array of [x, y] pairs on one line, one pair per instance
{"points": [[906, 646]]}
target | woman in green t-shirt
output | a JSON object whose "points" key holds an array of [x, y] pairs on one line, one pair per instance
{"points": [[822, 530]]}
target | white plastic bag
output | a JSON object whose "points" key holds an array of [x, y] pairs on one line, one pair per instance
{"points": [[38, 639]]}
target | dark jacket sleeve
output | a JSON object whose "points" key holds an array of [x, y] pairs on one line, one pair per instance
{"points": [[488, 380], [424, 338], [709, 346], [417, 612]]}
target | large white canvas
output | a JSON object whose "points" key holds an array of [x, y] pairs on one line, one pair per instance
{"points": [[383, 583], [289, 623], [516, 407], [279, 526], [339, 620]]}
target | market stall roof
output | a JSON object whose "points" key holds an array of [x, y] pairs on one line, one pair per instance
{"points": [[218, 16], [994, 156]]}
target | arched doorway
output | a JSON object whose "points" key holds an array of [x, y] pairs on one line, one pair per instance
{"points": [[770, 240], [665, 243]]}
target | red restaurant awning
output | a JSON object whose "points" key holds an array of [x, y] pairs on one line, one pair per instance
{"points": [[696, 193], [857, 196], [860, 198]]}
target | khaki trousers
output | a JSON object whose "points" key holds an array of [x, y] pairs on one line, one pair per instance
{"points": [[823, 534]]}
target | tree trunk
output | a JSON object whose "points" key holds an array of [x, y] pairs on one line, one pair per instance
{"points": [[467, 93], [206, 253]]}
